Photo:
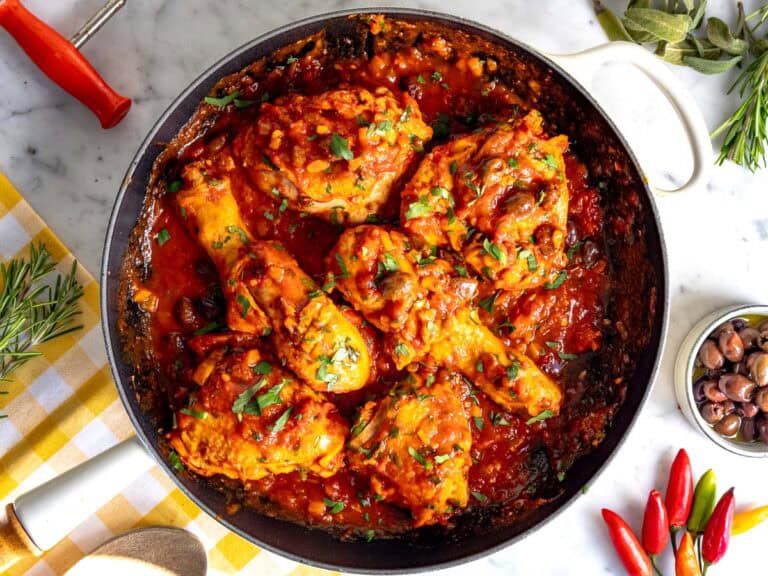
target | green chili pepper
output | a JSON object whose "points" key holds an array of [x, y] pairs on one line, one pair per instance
{"points": [[703, 502]]}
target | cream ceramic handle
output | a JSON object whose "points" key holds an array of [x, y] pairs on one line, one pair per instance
{"points": [[46, 514], [583, 65]]}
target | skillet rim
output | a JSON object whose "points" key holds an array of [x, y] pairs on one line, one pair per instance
{"points": [[209, 76]]}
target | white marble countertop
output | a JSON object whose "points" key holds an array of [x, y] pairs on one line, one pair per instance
{"points": [[717, 237]]}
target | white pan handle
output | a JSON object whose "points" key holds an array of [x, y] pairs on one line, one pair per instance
{"points": [[52, 510], [584, 65]]}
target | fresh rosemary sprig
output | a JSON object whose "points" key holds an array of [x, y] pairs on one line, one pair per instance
{"points": [[671, 25], [33, 311]]}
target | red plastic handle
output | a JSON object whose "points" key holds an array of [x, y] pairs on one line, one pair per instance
{"points": [[63, 63]]}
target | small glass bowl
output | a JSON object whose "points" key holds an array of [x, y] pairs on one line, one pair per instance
{"points": [[684, 370]]}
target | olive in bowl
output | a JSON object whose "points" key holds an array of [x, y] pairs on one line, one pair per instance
{"points": [[721, 378]]}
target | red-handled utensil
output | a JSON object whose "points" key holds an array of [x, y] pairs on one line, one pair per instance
{"points": [[60, 60]]}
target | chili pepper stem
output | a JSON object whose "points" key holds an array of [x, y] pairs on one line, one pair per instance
{"points": [[673, 538], [655, 566], [697, 543], [706, 567]]}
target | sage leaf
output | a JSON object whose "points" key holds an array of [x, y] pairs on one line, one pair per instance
{"points": [[663, 26], [674, 53], [638, 34], [698, 16], [719, 34], [711, 66], [611, 24]]}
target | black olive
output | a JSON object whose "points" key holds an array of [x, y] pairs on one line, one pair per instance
{"points": [[761, 423], [731, 346], [712, 391], [748, 429], [750, 337], [761, 399], [712, 412], [759, 368], [729, 425], [747, 410], [736, 387], [186, 314], [710, 355], [739, 324], [698, 390]]}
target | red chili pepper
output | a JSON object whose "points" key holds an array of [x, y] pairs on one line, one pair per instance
{"points": [[717, 534], [655, 525], [679, 491], [634, 558]]}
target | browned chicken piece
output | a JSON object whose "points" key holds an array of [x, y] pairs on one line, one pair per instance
{"points": [[425, 311], [415, 446], [506, 185], [250, 418], [335, 155], [387, 281], [265, 286]]}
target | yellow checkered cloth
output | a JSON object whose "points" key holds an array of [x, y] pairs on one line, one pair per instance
{"points": [[63, 408]]}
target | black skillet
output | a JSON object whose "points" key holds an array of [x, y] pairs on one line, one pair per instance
{"points": [[638, 259]]}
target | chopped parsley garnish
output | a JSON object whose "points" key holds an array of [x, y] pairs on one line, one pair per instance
{"points": [[240, 103], [175, 461], [543, 415], [405, 115], [174, 186], [283, 206], [453, 167], [280, 422], [401, 349], [333, 506], [436, 76], [389, 262], [340, 147], [210, 327], [567, 356], [357, 428], [513, 163], [221, 102], [479, 422], [498, 419], [269, 216], [557, 282], [550, 161], [244, 305], [291, 60], [419, 458], [440, 192], [552, 345], [163, 236], [263, 367], [487, 304], [420, 79], [493, 250], [419, 208], [200, 415], [342, 266], [479, 366], [322, 373], [461, 270], [440, 458], [238, 406], [530, 258], [573, 249], [369, 535], [479, 496], [429, 380], [512, 371], [239, 231]]}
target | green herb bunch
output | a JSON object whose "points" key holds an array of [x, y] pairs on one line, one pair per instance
{"points": [[678, 31], [33, 311]]}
